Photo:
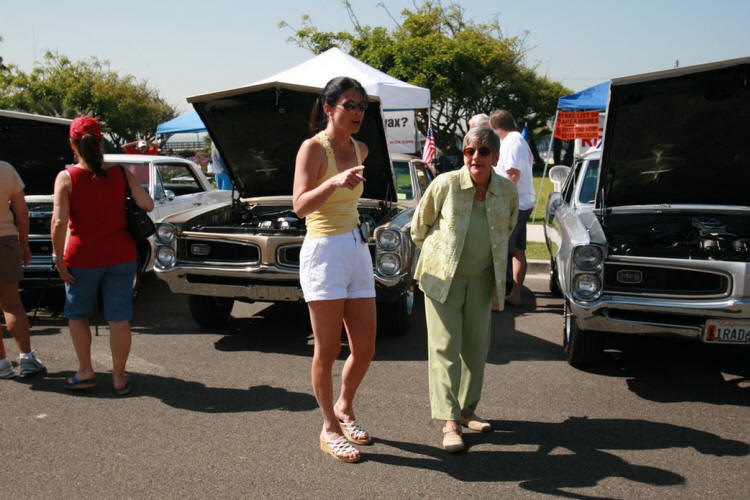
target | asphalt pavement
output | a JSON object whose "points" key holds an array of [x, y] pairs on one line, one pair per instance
{"points": [[229, 413]]}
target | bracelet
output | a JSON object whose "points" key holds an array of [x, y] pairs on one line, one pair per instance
{"points": [[56, 258]]}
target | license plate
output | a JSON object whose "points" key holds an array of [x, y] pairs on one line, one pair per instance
{"points": [[727, 331]]}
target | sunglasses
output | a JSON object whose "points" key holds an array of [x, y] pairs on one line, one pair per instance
{"points": [[483, 151], [351, 106]]}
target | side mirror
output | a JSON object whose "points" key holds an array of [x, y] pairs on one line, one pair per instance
{"points": [[557, 175], [169, 194]]}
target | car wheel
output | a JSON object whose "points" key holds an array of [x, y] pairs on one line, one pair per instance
{"points": [[210, 312], [554, 286], [395, 318], [580, 347]]}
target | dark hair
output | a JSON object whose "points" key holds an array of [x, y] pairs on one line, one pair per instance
{"points": [[331, 93], [90, 149], [502, 119]]}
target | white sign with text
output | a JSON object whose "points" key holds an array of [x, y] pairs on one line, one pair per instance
{"points": [[400, 131]]}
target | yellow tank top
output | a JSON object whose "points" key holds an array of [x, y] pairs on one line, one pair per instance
{"points": [[338, 214]]}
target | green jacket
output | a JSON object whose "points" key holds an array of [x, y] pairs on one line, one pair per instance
{"points": [[441, 221]]}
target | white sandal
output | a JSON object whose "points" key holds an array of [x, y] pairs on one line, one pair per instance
{"points": [[340, 449], [355, 432]]}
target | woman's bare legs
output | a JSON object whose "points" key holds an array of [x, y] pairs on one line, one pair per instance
{"points": [[119, 344], [80, 333], [360, 321], [326, 317]]}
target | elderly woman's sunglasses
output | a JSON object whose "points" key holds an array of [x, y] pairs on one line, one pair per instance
{"points": [[351, 106], [483, 151]]}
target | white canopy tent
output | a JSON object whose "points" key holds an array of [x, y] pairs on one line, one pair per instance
{"points": [[399, 99], [316, 72]]}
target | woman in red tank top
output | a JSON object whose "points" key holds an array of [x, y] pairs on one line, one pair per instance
{"points": [[90, 201]]}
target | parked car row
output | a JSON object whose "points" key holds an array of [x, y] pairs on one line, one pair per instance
{"points": [[648, 236]]}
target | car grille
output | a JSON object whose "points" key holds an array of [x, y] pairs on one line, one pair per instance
{"points": [[217, 251], [41, 248], [288, 256], [39, 222], [664, 281]]}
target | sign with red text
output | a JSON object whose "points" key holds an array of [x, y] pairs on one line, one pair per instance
{"points": [[400, 131], [583, 145], [577, 125]]}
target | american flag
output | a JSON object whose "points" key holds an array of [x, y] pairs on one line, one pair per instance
{"points": [[429, 147]]}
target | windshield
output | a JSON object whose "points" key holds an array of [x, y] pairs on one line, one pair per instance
{"points": [[588, 186], [403, 180]]}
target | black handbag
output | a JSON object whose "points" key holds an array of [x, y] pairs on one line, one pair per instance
{"points": [[140, 225]]}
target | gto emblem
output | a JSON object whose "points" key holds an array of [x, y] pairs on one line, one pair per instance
{"points": [[629, 276], [199, 249]]}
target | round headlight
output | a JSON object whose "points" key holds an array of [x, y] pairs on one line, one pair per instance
{"points": [[166, 233], [389, 240], [165, 257], [388, 264], [587, 286], [587, 257]]}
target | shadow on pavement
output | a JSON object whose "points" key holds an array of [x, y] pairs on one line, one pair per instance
{"points": [[569, 454], [186, 395], [669, 371]]}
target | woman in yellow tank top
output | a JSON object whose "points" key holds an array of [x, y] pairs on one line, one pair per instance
{"points": [[335, 264]]}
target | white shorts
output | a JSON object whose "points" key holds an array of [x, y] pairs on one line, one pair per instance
{"points": [[336, 267]]}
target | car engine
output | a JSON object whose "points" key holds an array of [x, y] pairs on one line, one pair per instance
{"points": [[712, 237]]}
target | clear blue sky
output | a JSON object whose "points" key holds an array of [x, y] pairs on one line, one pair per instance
{"points": [[184, 48]]}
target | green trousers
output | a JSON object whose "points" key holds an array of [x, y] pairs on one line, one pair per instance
{"points": [[458, 338]]}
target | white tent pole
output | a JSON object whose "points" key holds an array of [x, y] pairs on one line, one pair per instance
{"points": [[546, 162]]}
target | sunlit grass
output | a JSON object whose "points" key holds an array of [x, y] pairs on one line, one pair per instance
{"points": [[546, 190], [537, 250]]}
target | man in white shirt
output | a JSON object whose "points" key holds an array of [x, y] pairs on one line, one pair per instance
{"points": [[515, 164]]}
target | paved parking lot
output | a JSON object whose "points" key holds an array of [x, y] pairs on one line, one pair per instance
{"points": [[230, 413]]}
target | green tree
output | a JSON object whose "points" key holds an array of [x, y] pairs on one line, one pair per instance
{"points": [[469, 67], [126, 107]]}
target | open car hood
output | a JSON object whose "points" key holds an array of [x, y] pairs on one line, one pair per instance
{"points": [[37, 146], [258, 130], [678, 137]]}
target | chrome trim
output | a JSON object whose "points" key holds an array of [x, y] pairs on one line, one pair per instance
{"points": [[724, 274], [595, 316], [177, 281], [188, 240], [281, 253]]}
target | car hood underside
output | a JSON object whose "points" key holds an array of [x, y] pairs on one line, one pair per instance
{"points": [[678, 137]]}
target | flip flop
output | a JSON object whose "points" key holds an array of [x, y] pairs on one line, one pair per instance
{"points": [[73, 384], [339, 449], [125, 389]]}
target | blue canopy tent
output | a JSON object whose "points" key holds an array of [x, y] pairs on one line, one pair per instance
{"points": [[186, 123], [590, 99]]}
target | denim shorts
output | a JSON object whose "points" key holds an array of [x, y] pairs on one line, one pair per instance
{"points": [[336, 267], [116, 283]]}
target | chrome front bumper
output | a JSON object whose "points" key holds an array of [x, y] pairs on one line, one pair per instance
{"points": [[260, 282], [663, 318]]}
